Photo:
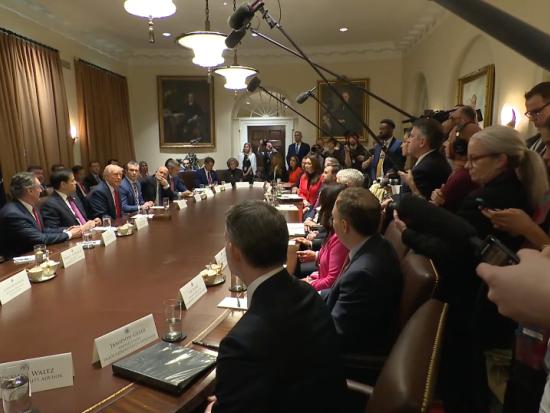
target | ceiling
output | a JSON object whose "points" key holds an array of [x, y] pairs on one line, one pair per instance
{"points": [[104, 24]]}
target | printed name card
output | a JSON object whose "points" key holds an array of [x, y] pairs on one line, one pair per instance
{"points": [[181, 203], [243, 185], [46, 373], [287, 207], [197, 197], [218, 188], [228, 186], [72, 256], [141, 222], [119, 343], [296, 229], [221, 258], [108, 237], [258, 184], [13, 286], [192, 291], [209, 193]]}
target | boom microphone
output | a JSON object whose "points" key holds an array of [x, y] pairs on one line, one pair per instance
{"points": [[302, 97], [242, 16], [235, 38], [253, 84]]}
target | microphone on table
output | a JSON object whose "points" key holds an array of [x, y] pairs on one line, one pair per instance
{"points": [[302, 97]]}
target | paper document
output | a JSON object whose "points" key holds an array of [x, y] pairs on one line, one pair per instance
{"points": [[234, 303], [296, 229]]}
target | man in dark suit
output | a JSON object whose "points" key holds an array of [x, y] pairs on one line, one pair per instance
{"points": [[62, 209], [176, 184], [379, 164], [131, 197], [298, 148], [206, 175], [364, 301], [537, 104], [431, 169], [94, 176], [282, 355], [156, 187], [38, 171], [105, 197], [21, 224]]}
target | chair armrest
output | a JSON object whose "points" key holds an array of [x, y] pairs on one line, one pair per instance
{"points": [[360, 388]]}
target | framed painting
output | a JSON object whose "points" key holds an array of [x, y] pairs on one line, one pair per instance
{"points": [[477, 90], [186, 112], [338, 120]]}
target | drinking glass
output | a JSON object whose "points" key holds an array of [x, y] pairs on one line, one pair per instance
{"points": [[172, 315], [14, 385], [87, 239], [106, 221], [166, 202], [40, 254]]}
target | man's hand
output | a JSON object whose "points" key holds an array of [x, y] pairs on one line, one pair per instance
{"points": [[400, 225], [312, 235], [147, 205], [76, 231], [512, 220], [305, 242], [97, 221], [306, 256], [88, 225], [360, 158], [367, 163], [437, 197], [161, 179], [187, 194], [211, 401]]}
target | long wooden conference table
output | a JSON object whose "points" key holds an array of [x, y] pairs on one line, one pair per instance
{"points": [[114, 286]]}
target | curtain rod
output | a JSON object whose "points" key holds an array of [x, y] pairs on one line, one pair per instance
{"points": [[10, 33], [100, 68]]}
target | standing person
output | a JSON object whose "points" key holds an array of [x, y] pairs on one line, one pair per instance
{"points": [[311, 179], [537, 105], [379, 165], [298, 148], [143, 170], [332, 149], [266, 156], [354, 153], [294, 170], [94, 175], [247, 159], [282, 355]]}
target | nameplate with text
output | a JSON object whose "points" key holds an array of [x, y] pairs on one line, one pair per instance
{"points": [[181, 203], [209, 193], [218, 188], [72, 256], [197, 197], [13, 286], [241, 185], [119, 343], [192, 291], [228, 186], [258, 184], [221, 258], [46, 373], [141, 222], [108, 237]]}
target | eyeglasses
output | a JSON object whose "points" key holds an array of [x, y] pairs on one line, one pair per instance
{"points": [[536, 112], [475, 158]]}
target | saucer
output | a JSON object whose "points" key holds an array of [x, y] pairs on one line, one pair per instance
{"points": [[220, 279], [43, 278]]}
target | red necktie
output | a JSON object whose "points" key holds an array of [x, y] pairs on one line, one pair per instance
{"points": [[37, 219], [209, 177], [172, 184], [117, 204]]}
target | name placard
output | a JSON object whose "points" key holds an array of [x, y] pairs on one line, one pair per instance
{"points": [[46, 373], [258, 184], [13, 286], [192, 291], [209, 193], [141, 222], [218, 188], [181, 203], [108, 237], [119, 343], [72, 256], [241, 185], [228, 186], [197, 197], [221, 257]]}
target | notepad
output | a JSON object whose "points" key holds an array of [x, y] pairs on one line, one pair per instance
{"points": [[232, 303], [295, 230]]}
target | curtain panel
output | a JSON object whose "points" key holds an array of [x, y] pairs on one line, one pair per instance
{"points": [[105, 130]]}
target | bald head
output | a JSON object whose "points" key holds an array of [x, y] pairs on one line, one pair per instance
{"points": [[163, 170], [113, 175]]}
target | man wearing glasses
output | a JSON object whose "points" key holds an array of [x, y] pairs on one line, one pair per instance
{"points": [[537, 103]]}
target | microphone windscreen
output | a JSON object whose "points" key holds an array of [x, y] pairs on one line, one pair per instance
{"points": [[240, 17], [302, 97], [234, 38], [253, 84]]}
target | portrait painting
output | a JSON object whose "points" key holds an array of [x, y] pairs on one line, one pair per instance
{"points": [[334, 117], [186, 112], [477, 89]]}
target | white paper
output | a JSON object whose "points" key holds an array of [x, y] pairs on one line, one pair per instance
{"points": [[218, 188], [13, 286], [72, 256], [221, 258], [49, 372], [289, 197], [119, 343], [157, 207], [96, 242], [241, 185], [23, 259], [256, 184], [102, 229], [287, 207], [108, 237], [141, 222], [228, 186], [148, 216], [197, 197], [181, 203], [296, 229], [234, 303], [209, 193], [192, 291]]}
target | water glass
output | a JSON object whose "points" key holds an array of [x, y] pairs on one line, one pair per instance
{"points": [[87, 239], [173, 316], [166, 202], [40, 254], [106, 221], [14, 385]]}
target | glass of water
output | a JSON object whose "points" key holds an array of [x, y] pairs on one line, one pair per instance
{"points": [[166, 202], [87, 239], [106, 221], [40, 254], [172, 315], [14, 385]]}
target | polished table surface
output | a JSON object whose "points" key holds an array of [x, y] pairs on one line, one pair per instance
{"points": [[114, 286]]}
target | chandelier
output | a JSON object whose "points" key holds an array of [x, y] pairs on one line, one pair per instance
{"points": [[151, 9], [207, 46]]}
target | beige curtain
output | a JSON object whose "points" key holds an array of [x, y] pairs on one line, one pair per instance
{"points": [[103, 114], [34, 117]]}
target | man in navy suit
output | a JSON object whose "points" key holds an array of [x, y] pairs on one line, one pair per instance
{"points": [[176, 184], [379, 165], [156, 187], [94, 177], [298, 148], [206, 175], [22, 225], [282, 355], [364, 301], [62, 208], [131, 197], [105, 197]]}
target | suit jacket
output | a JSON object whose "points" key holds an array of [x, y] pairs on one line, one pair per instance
{"points": [[57, 214], [364, 301], [304, 150], [150, 187], [233, 176], [430, 173], [282, 355], [201, 179], [19, 231], [128, 201], [394, 150], [102, 202], [91, 181], [178, 184]]}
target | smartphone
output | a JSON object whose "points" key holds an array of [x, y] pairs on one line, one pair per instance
{"points": [[494, 252]]}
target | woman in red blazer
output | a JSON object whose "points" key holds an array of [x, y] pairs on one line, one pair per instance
{"points": [[294, 172], [311, 180]]}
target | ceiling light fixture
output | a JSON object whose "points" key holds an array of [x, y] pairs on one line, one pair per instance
{"points": [[207, 46], [166, 34], [151, 9], [343, 29]]}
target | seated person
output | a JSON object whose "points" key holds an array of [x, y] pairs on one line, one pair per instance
{"points": [[283, 353], [156, 187], [330, 258], [277, 169], [330, 161], [350, 177], [310, 215], [332, 149], [105, 198], [206, 175], [131, 197], [63, 209], [176, 184], [38, 171], [21, 224], [233, 173], [94, 176], [364, 301], [294, 170], [311, 179]]}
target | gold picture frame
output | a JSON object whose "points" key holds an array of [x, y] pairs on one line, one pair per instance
{"points": [[476, 89], [356, 98], [186, 112]]}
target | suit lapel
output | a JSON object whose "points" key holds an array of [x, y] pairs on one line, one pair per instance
{"points": [[68, 212], [28, 214]]}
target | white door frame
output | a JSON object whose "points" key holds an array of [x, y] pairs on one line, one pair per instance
{"points": [[287, 122]]}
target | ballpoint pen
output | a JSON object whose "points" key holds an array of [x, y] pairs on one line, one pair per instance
{"points": [[238, 302], [206, 345]]}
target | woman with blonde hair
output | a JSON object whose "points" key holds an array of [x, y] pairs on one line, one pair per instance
{"points": [[247, 159]]}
